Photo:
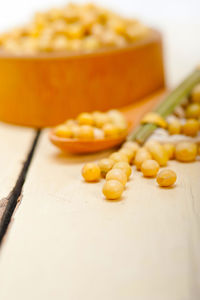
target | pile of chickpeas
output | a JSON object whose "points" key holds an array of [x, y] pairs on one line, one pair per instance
{"points": [[74, 27], [95, 125], [148, 159]]}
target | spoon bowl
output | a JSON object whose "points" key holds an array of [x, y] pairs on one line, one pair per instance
{"points": [[133, 114]]}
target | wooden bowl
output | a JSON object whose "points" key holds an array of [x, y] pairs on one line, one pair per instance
{"points": [[46, 89]]}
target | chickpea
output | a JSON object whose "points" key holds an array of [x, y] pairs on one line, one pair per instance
{"points": [[129, 153], [60, 43], [150, 168], [113, 189], [86, 132], [75, 31], [117, 156], [117, 25], [131, 145], [158, 152], [122, 128], [85, 119], [100, 119], [75, 130], [63, 131], [186, 151], [91, 172], [195, 94], [91, 43], [117, 174], [105, 165], [98, 133], [193, 111], [141, 155], [110, 130], [174, 127], [116, 117], [166, 178], [170, 149], [190, 127], [70, 122], [125, 167]]}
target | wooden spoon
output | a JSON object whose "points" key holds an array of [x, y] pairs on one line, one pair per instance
{"points": [[132, 114]]}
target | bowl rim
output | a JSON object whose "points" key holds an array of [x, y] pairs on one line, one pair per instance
{"points": [[150, 37]]}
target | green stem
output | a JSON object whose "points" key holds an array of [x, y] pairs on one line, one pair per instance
{"points": [[167, 106]]}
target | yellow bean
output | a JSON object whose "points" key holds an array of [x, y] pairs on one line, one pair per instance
{"points": [[190, 127], [186, 151], [124, 166], [174, 127], [117, 156], [150, 168], [158, 152], [170, 149], [117, 174], [113, 189], [105, 165], [166, 178], [91, 172], [141, 155]]}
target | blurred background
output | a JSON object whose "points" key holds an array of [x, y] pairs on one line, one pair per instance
{"points": [[178, 20]]}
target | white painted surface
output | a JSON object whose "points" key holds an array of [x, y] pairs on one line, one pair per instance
{"points": [[67, 242]]}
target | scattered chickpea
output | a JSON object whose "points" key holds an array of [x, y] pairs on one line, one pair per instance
{"points": [[150, 168], [113, 189], [193, 111], [91, 172], [141, 155], [125, 167], [86, 132], [117, 156], [186, 151], [131, 145], [166, 178], [158, 152], [117, 174], [170, 149], [195, 94], [190, 127], [129, 153], [174, 127], [105, 165], [85, 119]]}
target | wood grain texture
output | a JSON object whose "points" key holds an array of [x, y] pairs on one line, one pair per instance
{"points": [[68, 242], [15, 142]]}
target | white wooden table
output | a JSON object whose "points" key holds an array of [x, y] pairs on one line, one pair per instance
{"points": [[64, 241]]}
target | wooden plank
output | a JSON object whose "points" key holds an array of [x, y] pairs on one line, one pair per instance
{"points": [[15, 143], [67, 242]]}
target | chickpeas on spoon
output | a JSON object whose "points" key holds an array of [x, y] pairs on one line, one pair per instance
{"points": [[91, 132]]}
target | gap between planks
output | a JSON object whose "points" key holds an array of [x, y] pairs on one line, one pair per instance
{"points": [[8, 204]]}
